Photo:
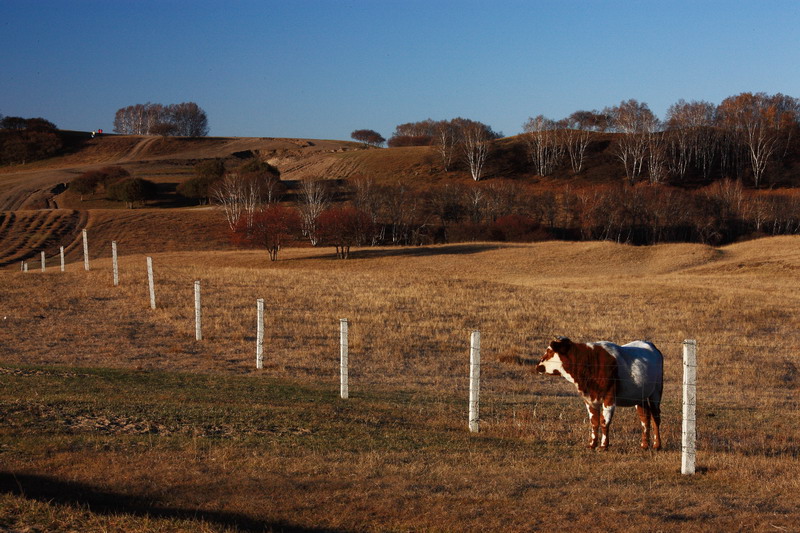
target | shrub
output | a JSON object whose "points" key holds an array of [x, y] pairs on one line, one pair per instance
{"points": [[271, 227], [86, 183], [198, 188], [111, 174], [131, 190], [398, 141], [344, 227], [517, 228], [212, 169]]}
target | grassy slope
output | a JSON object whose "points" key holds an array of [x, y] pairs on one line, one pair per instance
{"points": [[167, 161], [182, 427]]}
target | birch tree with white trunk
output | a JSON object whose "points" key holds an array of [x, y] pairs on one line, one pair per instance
{"points": [[315, 198]]}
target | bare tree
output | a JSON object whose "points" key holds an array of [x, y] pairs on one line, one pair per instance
{"points": [[476, 203], [476, 141], [186, 119], [690, 137], [420, 133], [314, 198], [139, 119], [758, 122], [229, 194], [576, 132], [680, 145], [656, 152], [402, 209], [267, 179], [632, 120], [240, 197], [544, 144], [368, 197], [501, 198], [446, 139]]}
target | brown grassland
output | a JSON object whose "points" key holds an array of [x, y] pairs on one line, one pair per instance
{"points": [[113, 418]]}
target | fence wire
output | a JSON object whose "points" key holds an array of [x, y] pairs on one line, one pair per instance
{"points": [[427, 361]]}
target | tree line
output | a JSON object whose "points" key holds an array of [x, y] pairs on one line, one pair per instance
{"points": [[738, 138], [456, 140], [23, 140], [365, 213], [741, 138], [508, 210], [186, 119], [263, 211], [116, 183]]}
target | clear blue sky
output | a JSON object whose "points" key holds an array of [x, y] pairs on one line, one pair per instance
{"points": [[321, 69]]}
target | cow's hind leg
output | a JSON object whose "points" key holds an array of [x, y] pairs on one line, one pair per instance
{"points": [[644, 417], [655, 409]]}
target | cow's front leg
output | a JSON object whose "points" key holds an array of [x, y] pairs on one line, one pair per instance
{"points": [[594, 418], [608, 415]]}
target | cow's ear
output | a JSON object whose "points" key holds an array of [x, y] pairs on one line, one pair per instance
{"points": [[561, 345]]}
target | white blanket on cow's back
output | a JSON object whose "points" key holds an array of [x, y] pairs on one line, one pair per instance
{"points": [[639, 371]]}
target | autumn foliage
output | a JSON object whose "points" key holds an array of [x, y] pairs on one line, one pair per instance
{"points": [[343, 227], [104, 178], [24, 140], [370, 137], [271, 227], [517, 228]]}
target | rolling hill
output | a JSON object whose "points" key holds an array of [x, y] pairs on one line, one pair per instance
{"points": [[172, 220]]}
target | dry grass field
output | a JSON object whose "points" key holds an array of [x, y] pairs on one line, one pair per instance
{"points": [[115, 419]]}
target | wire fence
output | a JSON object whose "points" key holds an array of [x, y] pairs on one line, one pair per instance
{"points": [[428, 357]]}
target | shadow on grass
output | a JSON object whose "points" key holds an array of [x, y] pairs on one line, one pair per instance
{"points": [[51, 490], [409, 251]]}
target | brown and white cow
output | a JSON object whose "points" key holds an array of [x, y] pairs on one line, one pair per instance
{"points": [[607, 376]]}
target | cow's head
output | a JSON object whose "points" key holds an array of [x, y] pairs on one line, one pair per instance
{"points": [[550, 363]]}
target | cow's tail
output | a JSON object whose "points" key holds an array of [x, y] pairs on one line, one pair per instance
{"points": [[660, 386]]}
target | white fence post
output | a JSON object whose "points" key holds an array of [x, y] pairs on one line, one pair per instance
{"points": [[61, 253], [150, 283], [198, 330], [343, 351], [24, 266], [474, 380], [44, 259], [260, 333], [114, 260], [689, 429], [85, 251]]}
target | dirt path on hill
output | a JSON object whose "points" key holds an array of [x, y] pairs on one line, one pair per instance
{"points": [[35, 189], [138, 149]]}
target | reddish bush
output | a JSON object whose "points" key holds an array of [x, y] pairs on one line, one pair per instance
{"points": [[344, 227], [517, 228], [270, 227], [410, 140], [468, 232]]}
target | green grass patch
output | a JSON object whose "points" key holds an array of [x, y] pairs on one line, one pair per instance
{"points": [[95, 448]]}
